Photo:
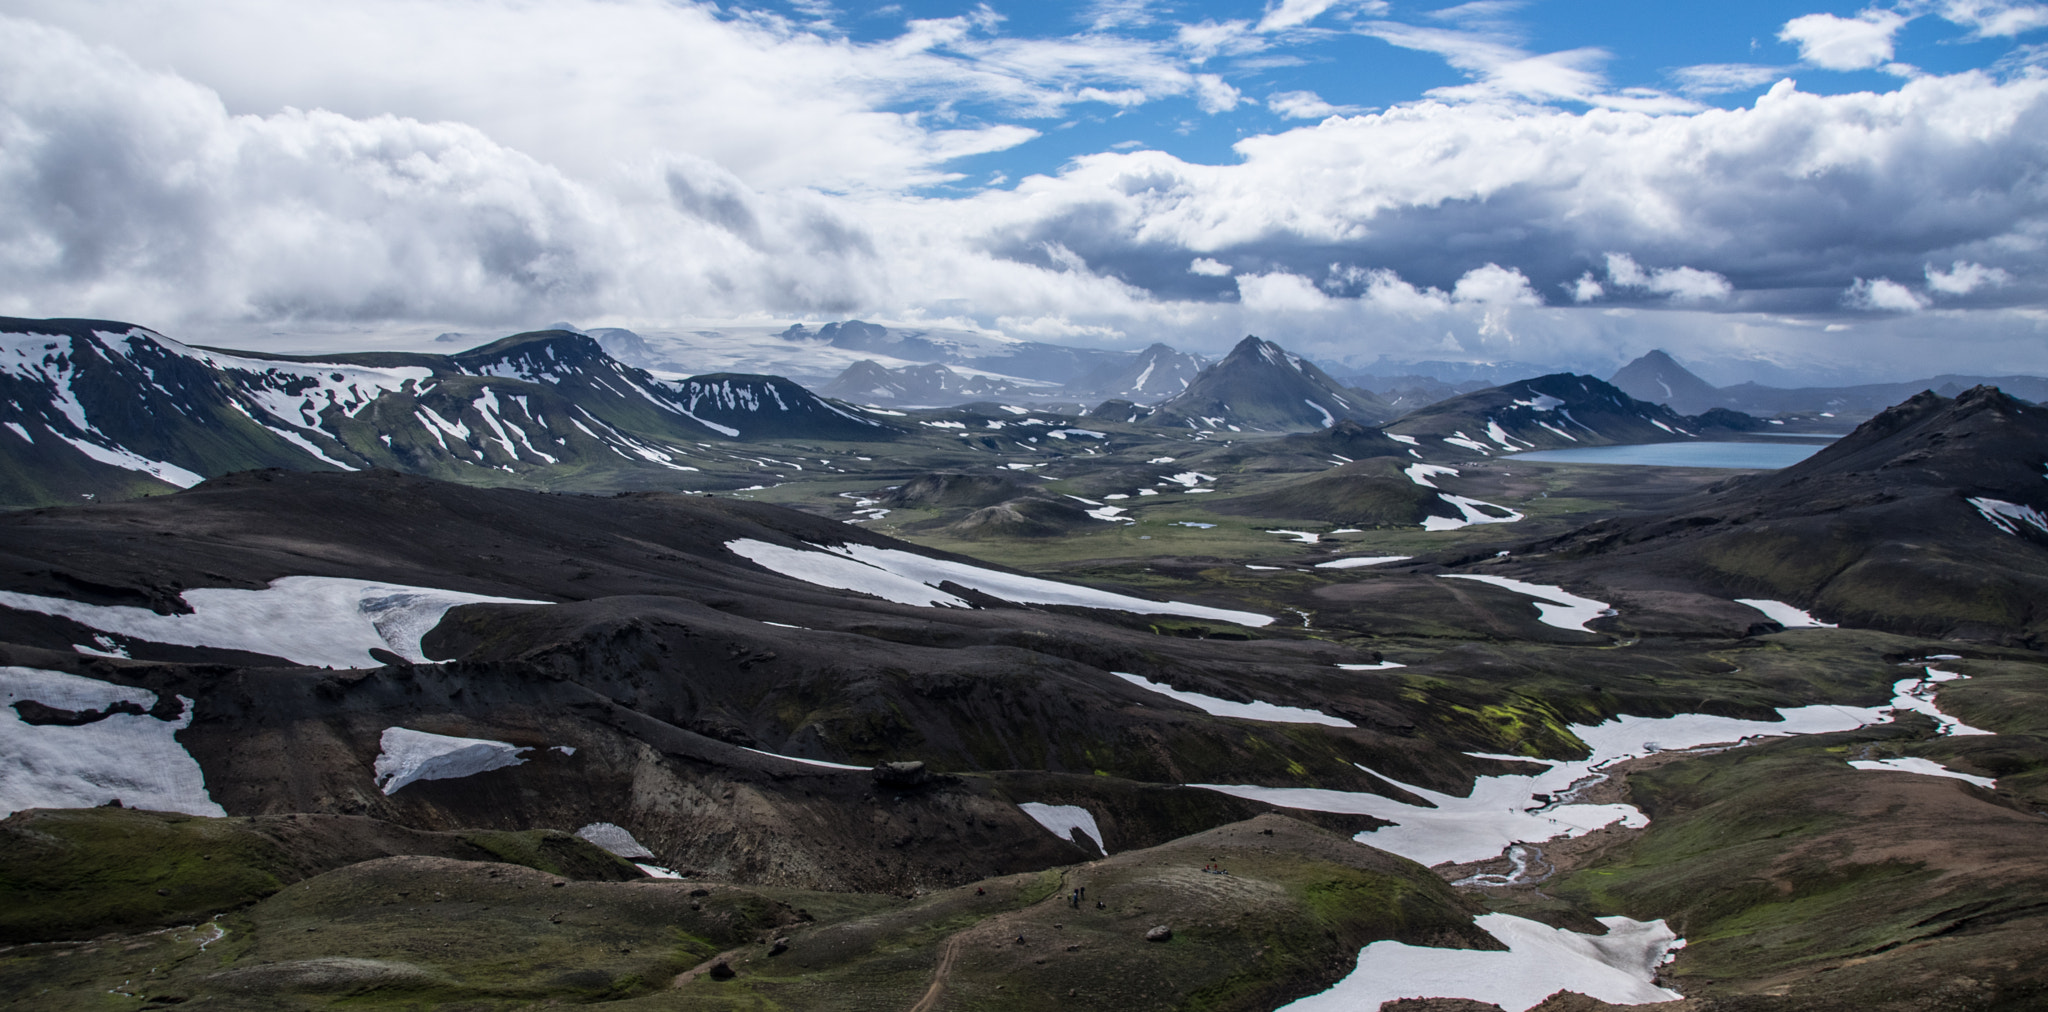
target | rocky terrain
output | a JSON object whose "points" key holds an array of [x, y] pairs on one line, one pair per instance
{"points": [[990, 707]]}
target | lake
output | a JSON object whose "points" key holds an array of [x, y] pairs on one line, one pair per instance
{"points": [[1763, 456]]}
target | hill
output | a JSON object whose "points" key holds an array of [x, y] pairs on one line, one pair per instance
{"points": [[1928, 518]]}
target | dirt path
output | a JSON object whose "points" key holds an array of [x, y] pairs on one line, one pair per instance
{"points": [[931, 994]]}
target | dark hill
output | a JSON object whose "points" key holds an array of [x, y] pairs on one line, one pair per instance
{"points": [[1929, 518], [1659, 379], [1545, 413]]}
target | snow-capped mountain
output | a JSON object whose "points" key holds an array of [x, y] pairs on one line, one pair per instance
{"points": [[101, 407], [929, 385], [1262, 386], [1656, 377], [1547, 413], [1158, 372]]}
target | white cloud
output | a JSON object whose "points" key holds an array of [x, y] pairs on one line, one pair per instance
{"points": [[1209, 268], [1837, 43], [1306, 105], [1493, 284], [1214, 95], [1585, 288], [1882, 295], [1280, 291], [1996, 17], [1386, 291], [1722, 78], [1966, 277], [1682, 284]]}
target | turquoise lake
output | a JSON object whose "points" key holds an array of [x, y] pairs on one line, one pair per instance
{"points": [[1743, 455]]}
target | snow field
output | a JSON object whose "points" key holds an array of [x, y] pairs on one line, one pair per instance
{"points": [[133, 757], [907, 578], [1554, 607], [1924, 767], [615, 839], [1784, 614], [1062, 820], [1618, 967], [1917, 695], [1253, 710], [320, 621], [1503, 810], [1361, 560], [1469, 508], [405, 755]]}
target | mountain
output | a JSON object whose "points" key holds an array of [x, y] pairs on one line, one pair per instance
{"points": [[930, 385], [1029, 360], [101, 408], [1548, 412], [1262, 386], [1657, 378], [1158, 372], [1931, 518]]}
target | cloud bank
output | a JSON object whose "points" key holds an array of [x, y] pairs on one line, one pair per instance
{"points": [[737, 165]]}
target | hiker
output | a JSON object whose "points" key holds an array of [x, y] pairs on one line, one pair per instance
{"points": [[1074, 899]]}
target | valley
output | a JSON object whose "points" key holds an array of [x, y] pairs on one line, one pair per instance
{"points": [[527, 676]]}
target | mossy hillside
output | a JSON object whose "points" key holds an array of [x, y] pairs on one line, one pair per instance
{"points": [[1778, 858], [77, 873]]}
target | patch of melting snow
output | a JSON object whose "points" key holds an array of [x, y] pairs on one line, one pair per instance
{"points": [[1381, 666], [1062, 820], [1191, 523], [1398, 438], [1253, 710], [321, 621], [1461, 439], [1471, 514], [908, 578], [1303, 537], [1924, 767], [1917, 695], [405, 756], [1784, 614], [1554, 607], [1361, 560], [1421, 473], [807, 762], [2008, 516], [616, 839], [1618, 967], [130, 756], [1504, 810]]}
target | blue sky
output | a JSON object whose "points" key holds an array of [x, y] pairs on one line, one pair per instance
{"points": [[1765, 189]]}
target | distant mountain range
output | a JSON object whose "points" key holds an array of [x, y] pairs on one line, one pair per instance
{"points": [[95, 406], [1657, 377], [1258, 386]]}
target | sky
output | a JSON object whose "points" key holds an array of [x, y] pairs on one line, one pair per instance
{"points": [[1769, 191]]}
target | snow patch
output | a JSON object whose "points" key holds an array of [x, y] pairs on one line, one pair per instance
{"points": [[1361, 560], [133, 757], [321, 621], [1421, 473], [1505, 810], [1253, 710], [1554, 607], [1062, 820], [161, 470], [405, 755], [1924, 767], [1917, 695], [1784, 614], [1381, 666], [1618, 967], [615, 839], [1471, 515], [2008, 516]]}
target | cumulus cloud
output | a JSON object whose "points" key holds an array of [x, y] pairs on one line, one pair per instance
{"points": [[1882, 295], [1996, 17], [1209, 268], [1965, 277], [1837, 43], [1280, 291], [1493, 284], [1681, 284], [1306, 105]]}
